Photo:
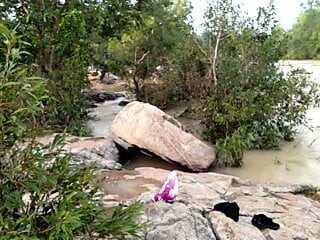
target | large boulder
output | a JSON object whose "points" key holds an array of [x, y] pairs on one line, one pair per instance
{"points": [[86, 150], [192, 217], [147, 127]]}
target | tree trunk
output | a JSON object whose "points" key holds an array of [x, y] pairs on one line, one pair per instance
{"points": [[53, 34], [214, 60]]}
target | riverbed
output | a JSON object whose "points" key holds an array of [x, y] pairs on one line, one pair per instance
{"points": [[296, 162]]}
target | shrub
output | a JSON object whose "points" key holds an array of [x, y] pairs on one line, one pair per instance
{"points": [[42, 197], [21, 96], [253, 105], [67, 106]]}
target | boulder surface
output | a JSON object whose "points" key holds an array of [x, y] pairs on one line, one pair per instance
{"points": [[147, 127], [192, 217], [86, 150]]}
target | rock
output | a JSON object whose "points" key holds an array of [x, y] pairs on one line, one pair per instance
{"points": [[101, 96], [227, 229], [124, 103], [149, 128], [86, 150], [110, 78], [176, 221], [94, 76], [191, 216]]}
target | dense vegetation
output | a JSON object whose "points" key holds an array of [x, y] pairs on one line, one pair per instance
{"points": [[246, 102], [230, 70], [304, 38], [41, 195], [251, 103], [63, 38]]}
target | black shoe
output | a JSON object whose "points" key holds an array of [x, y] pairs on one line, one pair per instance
{"points": [[261, 221], [231, 210]]}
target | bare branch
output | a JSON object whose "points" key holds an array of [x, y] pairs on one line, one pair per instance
{"points": [[25, 9], [143, 57], [214, 60]]}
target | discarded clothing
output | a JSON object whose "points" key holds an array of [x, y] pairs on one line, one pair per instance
{"points": [[261, 221], [169, 189], [231, 210]]}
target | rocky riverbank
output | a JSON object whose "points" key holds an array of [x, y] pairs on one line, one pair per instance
{"points": [[191, 216]]}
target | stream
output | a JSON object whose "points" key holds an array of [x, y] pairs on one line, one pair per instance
{"points": [[297, 162]]}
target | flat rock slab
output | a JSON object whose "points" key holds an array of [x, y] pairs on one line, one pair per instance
{"points": [[192, 215], [86, 150], [147, 127]]}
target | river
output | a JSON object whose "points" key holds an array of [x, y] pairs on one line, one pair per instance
{"points": [[296, 162]]}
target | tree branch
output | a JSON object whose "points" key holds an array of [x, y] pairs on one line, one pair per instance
{"points": [[25, 9], [214, 59], [143, 57]]}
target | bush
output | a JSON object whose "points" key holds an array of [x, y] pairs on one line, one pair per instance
{"points": [[67, 106], [253, 105], [21, 96], [42, 197]]}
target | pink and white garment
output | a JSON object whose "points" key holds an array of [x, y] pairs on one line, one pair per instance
{"points": [[169, 189]]}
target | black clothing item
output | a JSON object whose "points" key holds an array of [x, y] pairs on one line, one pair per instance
{"points": [[261, 221], [231, 210]]}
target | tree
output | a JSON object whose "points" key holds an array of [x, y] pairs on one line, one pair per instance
{"points": [[311, 4], [221, 20], [57, 31], [151, 44], [305, 35], [252, 105], [63, 36], [42, 196]]}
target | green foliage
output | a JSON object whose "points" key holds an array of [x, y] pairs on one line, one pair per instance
{"points": [[252, 105], [64, 39], [43, 197], [230, 149], [21, 96], [67, 106], [305, 36], [148, 55]]}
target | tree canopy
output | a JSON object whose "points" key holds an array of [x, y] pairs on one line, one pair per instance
{"points": [[305, 35]]}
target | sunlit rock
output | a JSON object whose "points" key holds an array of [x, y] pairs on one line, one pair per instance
{"points": [[147, 127]]}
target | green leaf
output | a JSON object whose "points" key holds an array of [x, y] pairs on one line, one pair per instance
{"points": [[34, 187], [5, 31]]}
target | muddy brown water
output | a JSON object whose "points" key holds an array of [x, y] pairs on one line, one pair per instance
{"points": [[296, 162]]}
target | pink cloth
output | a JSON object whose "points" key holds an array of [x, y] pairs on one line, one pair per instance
{"points": [[169, 189]]}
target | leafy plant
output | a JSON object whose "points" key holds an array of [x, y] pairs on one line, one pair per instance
{"points": [[305, 34], [252, 104], [21, 96], [63, 36], [67, 106], [43, 197], [150, 54]]}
